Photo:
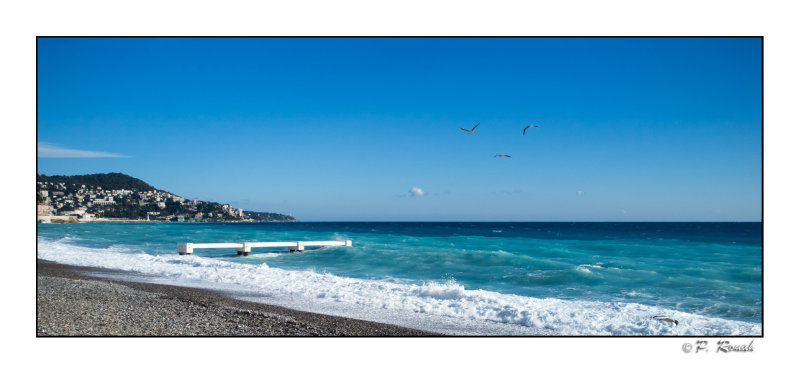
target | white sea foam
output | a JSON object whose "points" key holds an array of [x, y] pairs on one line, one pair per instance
{"points": [[445, 307], [265, 255], [585, 268], [635, 293]]}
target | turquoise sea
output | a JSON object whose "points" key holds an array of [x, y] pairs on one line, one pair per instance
{"points": [[463, 278]]}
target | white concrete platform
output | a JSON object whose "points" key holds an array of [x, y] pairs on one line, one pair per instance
{"points": [[243, 248]]}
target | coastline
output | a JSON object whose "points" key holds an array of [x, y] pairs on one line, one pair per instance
{"points": [[70, 303], [57, 219]]}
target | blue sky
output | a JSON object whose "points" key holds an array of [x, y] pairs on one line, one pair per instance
{"points": [[630, 129]]}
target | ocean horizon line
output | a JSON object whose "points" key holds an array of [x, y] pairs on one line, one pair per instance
{"points": [[397, 221]]}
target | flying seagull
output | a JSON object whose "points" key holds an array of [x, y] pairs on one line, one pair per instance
{"points": [[527, 127], [666, 319], [501, 156], [470, 131]]}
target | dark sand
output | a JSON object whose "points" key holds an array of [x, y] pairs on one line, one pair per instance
{"points": [[70, 303]]}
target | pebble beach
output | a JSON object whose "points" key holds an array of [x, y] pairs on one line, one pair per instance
{"points": [[70, 303]]}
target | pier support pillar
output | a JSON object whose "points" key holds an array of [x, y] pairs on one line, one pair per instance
{"points": [[185, 248], [245, 249], [299, 247]]}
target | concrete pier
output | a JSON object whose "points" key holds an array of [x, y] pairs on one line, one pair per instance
{"points": [[243, 248]]}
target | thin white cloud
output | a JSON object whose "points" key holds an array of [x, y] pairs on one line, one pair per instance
{"points": [[54, 151], [416, 191], [510, 192], [580, 193]]}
